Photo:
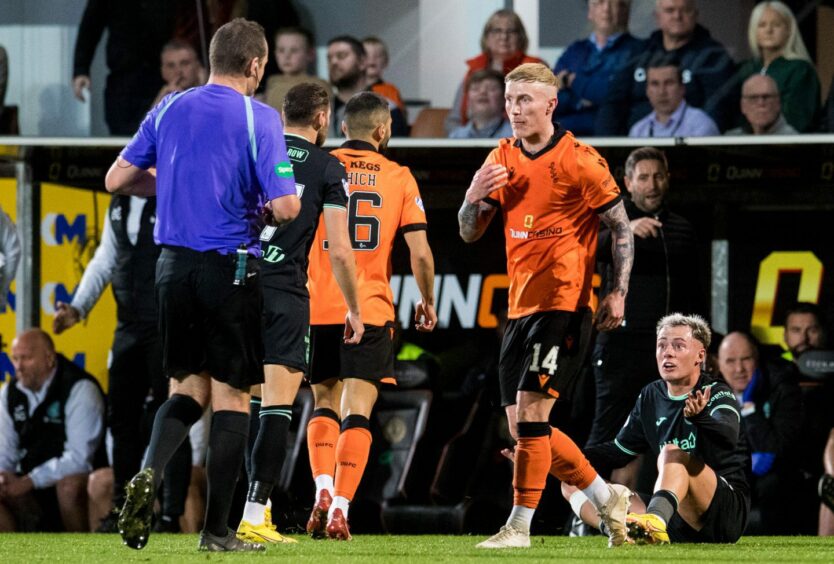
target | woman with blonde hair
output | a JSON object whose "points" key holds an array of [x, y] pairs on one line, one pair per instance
{"points": [[504, 44], [779, 52]]}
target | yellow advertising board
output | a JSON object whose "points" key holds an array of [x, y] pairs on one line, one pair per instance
{"points": [[71, 222], [7, 316]]}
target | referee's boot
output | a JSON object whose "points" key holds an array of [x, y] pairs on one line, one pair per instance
{"points": [[137, 513], [228, 543], [646, 528]]}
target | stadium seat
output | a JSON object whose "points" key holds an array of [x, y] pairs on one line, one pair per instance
{"points": [[429, 123]]}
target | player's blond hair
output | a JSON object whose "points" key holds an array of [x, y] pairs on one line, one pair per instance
{"points": [[532, 72], [699, 326]]}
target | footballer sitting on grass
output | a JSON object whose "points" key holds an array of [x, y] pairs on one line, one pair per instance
{"points": [[692, 425]]}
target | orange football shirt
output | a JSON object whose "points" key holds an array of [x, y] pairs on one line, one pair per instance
{"points": [[384, 199], [550, 208]]}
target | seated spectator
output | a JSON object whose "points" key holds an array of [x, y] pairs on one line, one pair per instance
{"points": [[771, 407], [51, 426], [485, 100], [180, 68], [672, 116], [376, 61], [294, 52], [762, 110], [588, 65], [706, 68], [503, 45], [779, 52], [346, 62]]}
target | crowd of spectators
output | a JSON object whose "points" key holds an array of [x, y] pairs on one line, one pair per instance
{"points": [[610, 81]]}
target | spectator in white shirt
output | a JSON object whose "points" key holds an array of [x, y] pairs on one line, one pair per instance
{"points": [[51, 426]]}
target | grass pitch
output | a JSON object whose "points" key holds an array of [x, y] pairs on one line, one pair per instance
{"points": [[91, 548]]}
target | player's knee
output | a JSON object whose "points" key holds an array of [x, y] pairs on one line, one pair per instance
{"points": [[671, 454]]}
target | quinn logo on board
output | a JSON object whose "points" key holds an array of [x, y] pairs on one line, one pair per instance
{"points": [[57, 229]]}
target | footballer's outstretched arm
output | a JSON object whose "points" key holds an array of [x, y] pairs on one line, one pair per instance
{"points": [[343, 264], [612, 308], [475, 213], [422, 266]]}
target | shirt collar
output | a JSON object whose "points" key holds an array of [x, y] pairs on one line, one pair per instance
{"points": [[358, 145], [36, 398], [674, 119], [608, 42]]}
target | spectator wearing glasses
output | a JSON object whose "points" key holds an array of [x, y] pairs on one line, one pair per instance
{"points": [[760, 104], [503, 46], [779, 52]]}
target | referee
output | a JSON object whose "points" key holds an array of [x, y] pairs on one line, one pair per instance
{"points": [[322, 185], [219, 155]]}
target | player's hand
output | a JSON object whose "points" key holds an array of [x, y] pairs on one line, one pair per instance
{"points": [[80, 83], [645, 227], [610, 312], [266, 214], [65, 317], [488, 179], [696, 402], [354, 328], [425, 317], [509, 454]]}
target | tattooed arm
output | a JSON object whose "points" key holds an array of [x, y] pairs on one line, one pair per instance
{"points": [[475, 214], [612, 308]]}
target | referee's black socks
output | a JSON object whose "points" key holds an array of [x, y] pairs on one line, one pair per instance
{"points": [[170, 428], [227, 445]]}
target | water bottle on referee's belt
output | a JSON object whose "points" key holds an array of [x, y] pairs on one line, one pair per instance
{"points": [[242, 255]]}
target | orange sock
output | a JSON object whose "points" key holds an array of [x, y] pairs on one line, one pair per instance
{"points": [[568, 463], [351, 458], [532, 459], [322, 435]]}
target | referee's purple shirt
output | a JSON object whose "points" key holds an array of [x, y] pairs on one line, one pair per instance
{"points": [[219, 156]]}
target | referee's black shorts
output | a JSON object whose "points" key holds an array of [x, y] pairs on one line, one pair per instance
{"points": [[206, 323], [286, 327]]}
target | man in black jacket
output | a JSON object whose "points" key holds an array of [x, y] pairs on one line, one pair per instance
{"points": [[661, 282], [706, 67], [771, 407]]}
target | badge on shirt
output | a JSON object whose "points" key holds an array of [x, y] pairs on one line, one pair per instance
{"points": [[283, 170]]}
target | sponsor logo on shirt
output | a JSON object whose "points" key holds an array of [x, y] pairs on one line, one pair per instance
{"points": [[297, 155], [686, 443], [283, 170]]}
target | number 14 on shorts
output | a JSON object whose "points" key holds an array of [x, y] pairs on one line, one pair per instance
{"points": [[548, 363]]}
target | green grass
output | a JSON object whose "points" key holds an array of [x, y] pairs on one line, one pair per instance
{"points": [[28, 548]]}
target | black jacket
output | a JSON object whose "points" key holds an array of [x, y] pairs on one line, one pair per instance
{"points": [[707, 73], [664, 277], [776, 424]]}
